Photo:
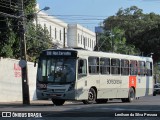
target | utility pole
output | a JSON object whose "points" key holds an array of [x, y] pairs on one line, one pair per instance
{"points": [[97, 42], [98, 31], [23, 61]]}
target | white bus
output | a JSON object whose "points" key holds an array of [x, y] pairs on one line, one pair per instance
{"points": [[88, 76]]}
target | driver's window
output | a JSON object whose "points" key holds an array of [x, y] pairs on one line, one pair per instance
{"points": [[82, 68]]}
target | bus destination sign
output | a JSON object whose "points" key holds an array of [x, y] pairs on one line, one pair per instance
{"points": [[61, 53]]}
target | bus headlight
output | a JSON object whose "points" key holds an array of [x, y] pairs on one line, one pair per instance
{"points": [[41, 86]]}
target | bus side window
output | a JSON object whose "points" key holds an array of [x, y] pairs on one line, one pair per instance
{"points": [[124, 67], [93, 65], [115, 66], [141, 68], [133, 67], [104, 65], [149, 68], [82, 67]]}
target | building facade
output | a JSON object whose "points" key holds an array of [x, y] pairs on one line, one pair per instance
{"points": [[66, 35], [79, 36], [57, 28]]}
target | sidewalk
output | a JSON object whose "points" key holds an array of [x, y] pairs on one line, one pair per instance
{"points": [[32, 102]]}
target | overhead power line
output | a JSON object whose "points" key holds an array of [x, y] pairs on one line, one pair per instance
{"points": [[8, 5], [78, 15], [9, 15], [75, 16], [10, 2]]}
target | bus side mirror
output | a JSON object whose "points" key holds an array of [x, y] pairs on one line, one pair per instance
{"points": [[35, 62]]}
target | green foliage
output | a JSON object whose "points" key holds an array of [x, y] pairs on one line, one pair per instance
{"points": [[36, 39], [115, 41], [140, 30], [157, 73], [7, 37]]}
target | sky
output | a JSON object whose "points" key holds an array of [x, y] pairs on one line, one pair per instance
{"points": [[91, 13]]}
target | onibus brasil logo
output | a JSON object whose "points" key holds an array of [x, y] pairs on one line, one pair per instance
{"points": [[21, 114]]}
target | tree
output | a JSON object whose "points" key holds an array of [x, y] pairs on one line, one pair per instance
{"points": [[37, 39], [115, 41], [140, 30], [8, 38], [10, 32]]}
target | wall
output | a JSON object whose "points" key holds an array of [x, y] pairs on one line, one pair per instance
{"points": [[11, 81], [72, 36]]}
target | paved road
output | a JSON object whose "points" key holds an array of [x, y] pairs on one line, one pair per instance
{"points": [[146, 107]]}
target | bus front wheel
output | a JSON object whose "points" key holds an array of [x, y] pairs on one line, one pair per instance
{"points": [[58, 102], [91, 97]]}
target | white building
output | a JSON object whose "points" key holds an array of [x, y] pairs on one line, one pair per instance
{"points": [[79, 36], [56, 28], [68, 35]]}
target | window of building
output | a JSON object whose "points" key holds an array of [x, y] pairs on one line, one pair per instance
{"points": [[88, 42], [81, 39], [84, 41], [105, 65], [78, 38], [60, 35], [55, 33], [93, 64], [44, 26], [50, 31], [124, 67], [64, 35], [115, 66]]}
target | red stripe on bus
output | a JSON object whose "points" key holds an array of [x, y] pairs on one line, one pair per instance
{"points": [[132, 81]]}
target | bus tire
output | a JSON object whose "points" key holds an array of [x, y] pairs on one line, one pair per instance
{"points": [[124, 99], [154, 93], [91, 97], [131, 95], [58, 102], [101, 101]]}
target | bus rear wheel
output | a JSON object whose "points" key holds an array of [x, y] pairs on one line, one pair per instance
{"points": [[58, 102], [101, 101], [124, 99], [154, 93], [131, 96], [91, 97]]}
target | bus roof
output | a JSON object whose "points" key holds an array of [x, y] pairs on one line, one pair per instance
{"points": [[83, 52]]}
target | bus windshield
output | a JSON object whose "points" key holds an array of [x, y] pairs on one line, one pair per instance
{"points": [[56, 70]]}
